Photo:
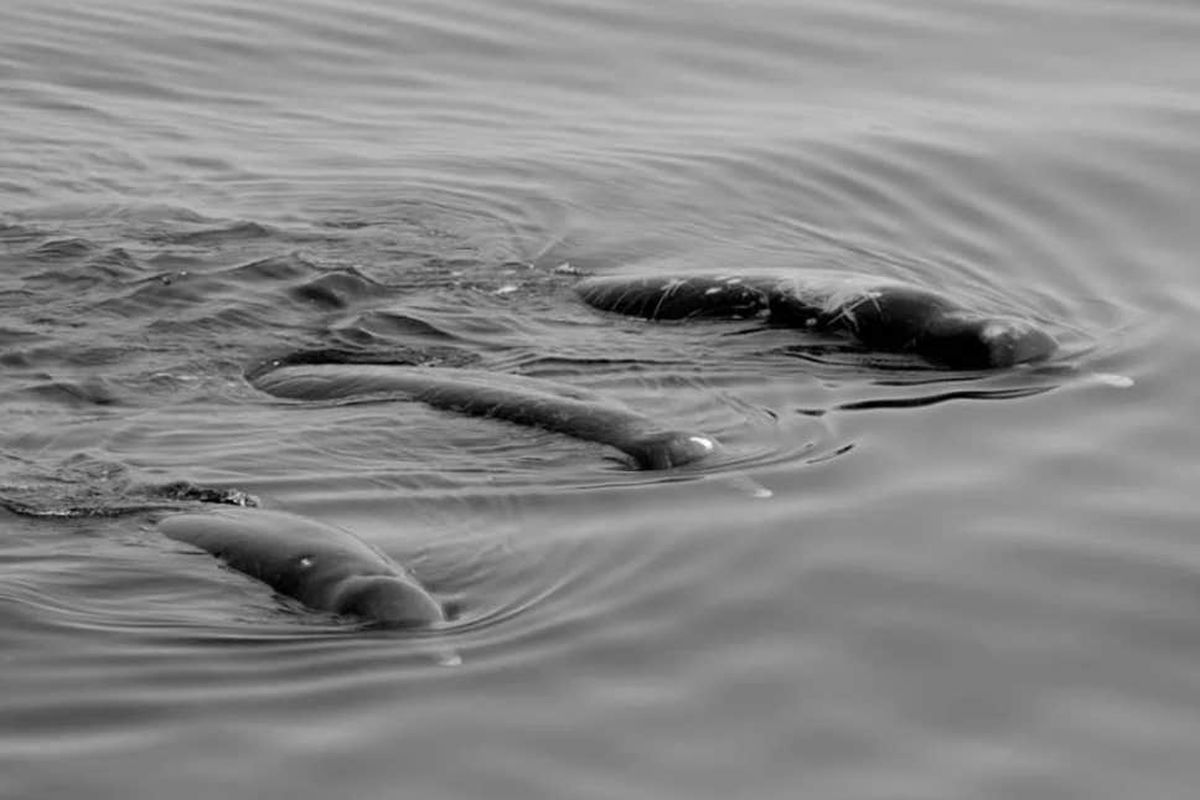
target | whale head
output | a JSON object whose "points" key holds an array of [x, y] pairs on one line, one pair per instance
{"points": [[672, 449], [1015, 341], [963, 341], [388, 600]]}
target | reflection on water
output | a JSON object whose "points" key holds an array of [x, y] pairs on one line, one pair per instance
{"points": [[941, 597]]}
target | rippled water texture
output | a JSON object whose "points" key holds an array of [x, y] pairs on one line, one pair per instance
{"points": [[964, 585]]}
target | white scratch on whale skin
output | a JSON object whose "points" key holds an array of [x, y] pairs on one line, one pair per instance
{"points": [[995, 330]]}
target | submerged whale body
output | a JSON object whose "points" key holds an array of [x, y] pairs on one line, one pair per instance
{"points": [[325, 568], [525, 401], [880, 315]]}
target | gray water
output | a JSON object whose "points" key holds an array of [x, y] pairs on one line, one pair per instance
{"points": [[965, 585]]}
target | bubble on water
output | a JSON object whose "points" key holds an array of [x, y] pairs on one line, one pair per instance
{"points": [[449, 659], [1113, 379]]}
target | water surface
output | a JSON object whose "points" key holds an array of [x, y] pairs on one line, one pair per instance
{"points": [[965, 585]]}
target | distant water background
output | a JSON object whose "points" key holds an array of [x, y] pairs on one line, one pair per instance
{"points": [[965, 585]]}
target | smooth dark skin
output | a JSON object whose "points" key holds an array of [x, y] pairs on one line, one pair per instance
{"points": [[325, 568], [525, 401]]}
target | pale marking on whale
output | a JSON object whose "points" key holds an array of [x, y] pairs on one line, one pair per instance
{"points": [[838, 298], [671, 287], [995, 330]]}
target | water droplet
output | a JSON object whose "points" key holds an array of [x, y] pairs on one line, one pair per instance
{"points": [[1113, 379]]}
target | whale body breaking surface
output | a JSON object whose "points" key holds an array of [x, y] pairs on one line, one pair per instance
{"points": [[514, 398], [880, 315], [324, 567]]}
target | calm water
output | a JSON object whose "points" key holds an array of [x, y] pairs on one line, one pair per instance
{"points": [[964, 586]]}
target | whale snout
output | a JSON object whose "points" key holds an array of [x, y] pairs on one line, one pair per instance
{"points": [[674, 449], [964, 341], [1012, 342], [390, 601]]}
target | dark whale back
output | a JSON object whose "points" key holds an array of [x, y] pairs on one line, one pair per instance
{"points": [[673, 298]]}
